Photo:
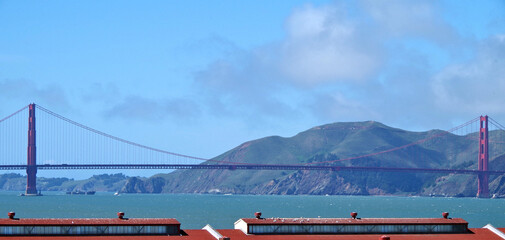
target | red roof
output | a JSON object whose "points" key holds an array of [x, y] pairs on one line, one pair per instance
{"points": [[474, 234], [189, 235], [235, 234], [351, 221], [89, 221]]}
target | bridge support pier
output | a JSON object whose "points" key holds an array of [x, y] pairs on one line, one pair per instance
{"points": [[31, 170], [483, 180]]}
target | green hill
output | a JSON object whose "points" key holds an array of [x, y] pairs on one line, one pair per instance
{"points": [[328, 144]]}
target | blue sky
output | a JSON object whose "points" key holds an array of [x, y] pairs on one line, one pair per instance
{"points": [[201, 77]]}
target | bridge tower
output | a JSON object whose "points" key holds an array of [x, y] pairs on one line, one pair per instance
{"points": [[31, 164], [483, 181]]}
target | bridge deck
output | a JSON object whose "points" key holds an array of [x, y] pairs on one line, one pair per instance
{"points": [[249, 167]]}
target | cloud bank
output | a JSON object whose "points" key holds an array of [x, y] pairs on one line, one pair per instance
{"points": [[27, 91], [399, 62]]}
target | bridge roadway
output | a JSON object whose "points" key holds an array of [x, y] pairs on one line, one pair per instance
{"points": [[249, 167]]}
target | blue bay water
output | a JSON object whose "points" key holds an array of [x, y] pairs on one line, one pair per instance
{"points": [[221, 211]]}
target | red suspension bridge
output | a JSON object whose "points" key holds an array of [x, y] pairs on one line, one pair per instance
{"points": [[66, 144]]}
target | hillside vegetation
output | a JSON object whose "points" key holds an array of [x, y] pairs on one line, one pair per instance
{"points": [[328, 144]]}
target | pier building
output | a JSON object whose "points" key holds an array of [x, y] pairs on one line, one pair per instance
{"points": [[256, 228]]}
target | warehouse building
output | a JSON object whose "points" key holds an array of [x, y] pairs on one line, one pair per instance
{"points": [[353, 225], [256, 228]]}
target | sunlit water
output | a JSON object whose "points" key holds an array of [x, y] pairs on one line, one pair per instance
{"points": [[221, 211]]}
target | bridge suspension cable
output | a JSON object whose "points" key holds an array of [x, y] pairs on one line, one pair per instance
{"points": [[14, 114], [120, 154], [151, 159], [13, 138], [400, 147], [116, 138], [496, 124]]}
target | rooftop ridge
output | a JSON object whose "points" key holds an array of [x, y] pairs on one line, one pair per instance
{"points": [[357, 221]]}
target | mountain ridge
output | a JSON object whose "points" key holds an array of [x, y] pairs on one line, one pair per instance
{"points": [[331, 143], [328, 145]]}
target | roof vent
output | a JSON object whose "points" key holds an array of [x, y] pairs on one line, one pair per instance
{"points": [[354, 215], [384, 237], [11, 215], [120, 215], [257, 215], [445, 215]]}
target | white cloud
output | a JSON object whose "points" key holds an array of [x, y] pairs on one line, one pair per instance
{"points": [[337, 106], [421, 19], [373, 60], [476, 85], [28, 91], [324, 45]]}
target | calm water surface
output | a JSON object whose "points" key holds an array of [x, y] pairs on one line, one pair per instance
{"points": [[221, 211]]}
